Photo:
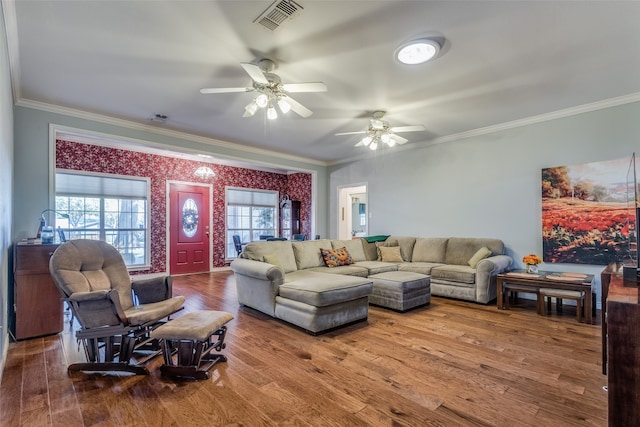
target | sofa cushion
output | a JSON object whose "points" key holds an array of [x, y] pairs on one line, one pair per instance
{"points": [[348, 270], [308, 254], [461, 249], [257, 250], [354, 247], [273, 259], [370, 250], [336, 257], [321, 290], [390, 254], [418, 267], [430, 249], [376, 267], [406, 246], [454, 273], [480, 254]]}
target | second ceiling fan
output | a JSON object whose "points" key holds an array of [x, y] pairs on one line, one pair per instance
{"points": [[379, 132], [271, 91]]}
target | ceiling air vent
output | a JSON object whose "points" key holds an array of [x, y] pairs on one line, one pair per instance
{"points": [[278, 13]]}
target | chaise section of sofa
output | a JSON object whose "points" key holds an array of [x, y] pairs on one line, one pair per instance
{"points": [[268, 279]]}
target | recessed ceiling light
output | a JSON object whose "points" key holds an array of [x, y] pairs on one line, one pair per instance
{"points": [[417, 51]]}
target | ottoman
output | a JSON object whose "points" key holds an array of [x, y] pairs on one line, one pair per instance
{"points": [[400, 290], [187, 343]]}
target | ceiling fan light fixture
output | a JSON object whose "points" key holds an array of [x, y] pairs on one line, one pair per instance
{"points": [[417, 51], [373, 146], [285, 107], [250, 109], [272, 114], [366, 140], [386, 138], [262, 100]]}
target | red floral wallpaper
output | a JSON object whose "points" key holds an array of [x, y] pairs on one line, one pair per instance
{"points": [[92, 158], [299, 188]]}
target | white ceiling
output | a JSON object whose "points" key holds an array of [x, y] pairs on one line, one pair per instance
{"points": [[503, 61]]}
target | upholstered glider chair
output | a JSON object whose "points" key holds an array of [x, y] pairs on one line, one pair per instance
{"points": [[116, 315]]}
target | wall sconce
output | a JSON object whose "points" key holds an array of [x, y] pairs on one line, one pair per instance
{"points": [[204, 172]]}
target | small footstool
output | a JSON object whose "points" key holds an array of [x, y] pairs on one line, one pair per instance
{"points": [[400, 290], [189, 339]]}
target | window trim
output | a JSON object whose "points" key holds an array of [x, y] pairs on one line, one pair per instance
{"points": [[146, 180]]}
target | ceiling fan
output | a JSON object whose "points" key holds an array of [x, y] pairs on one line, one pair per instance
{"points": [[271, 91], [380, 132]]}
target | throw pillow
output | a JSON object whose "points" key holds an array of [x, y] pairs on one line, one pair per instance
{"points": [[387, 244], [481, 254], [336, 257], [273, 259], [390, 254]]}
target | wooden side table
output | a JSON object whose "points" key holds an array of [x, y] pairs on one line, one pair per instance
{"points": [[549, 279]]}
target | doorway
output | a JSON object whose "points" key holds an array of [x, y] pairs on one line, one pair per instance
{"points": [[353, 212], [189, 225]]}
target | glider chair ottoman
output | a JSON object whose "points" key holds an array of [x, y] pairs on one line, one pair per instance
{"points": [[188, 342], [116, 315]]}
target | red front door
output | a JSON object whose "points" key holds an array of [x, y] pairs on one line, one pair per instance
{"points": [[189, 239]]}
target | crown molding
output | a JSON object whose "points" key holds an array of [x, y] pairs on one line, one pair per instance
{"points": [[11, 31], [567, 112], [56, 109]]}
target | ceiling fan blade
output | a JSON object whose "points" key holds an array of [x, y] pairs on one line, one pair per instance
{"points": [[225, 90], [298, 108], [414, 128], [359, 144], [255, 73], [398, 139], [350, 133], [305, 87]]}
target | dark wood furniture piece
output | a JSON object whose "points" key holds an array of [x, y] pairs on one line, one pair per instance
{"points": [[548, 279], [37, 301], [621, 345], [290, 219]]}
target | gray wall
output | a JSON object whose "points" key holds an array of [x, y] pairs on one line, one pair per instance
{"points": [[485, 186], [6, 192]]}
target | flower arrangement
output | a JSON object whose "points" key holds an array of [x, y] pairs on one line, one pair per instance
{"points": [[532, 259]]}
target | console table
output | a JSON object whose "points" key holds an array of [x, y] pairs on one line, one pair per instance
{"points": [[548, 279], [620, 348], [37, 301]]}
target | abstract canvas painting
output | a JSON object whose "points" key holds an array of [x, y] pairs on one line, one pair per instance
{"points": [[588, 212]]}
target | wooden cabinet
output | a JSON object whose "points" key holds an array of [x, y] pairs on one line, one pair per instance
{"points": [[37, 303], [621, 345]]}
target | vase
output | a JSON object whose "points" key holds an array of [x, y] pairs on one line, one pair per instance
{"points": [[531, 268]]}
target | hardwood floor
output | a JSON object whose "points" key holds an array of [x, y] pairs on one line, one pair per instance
{"points": [[450, 363]]}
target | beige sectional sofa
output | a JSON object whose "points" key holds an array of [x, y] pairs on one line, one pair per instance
{"points": [[290, 281]]}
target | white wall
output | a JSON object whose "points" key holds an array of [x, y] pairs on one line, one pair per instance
{"points": [[486, 186], [6, 185]]}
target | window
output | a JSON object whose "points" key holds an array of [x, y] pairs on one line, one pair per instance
{"points": [[106, 207], [251, 214]]}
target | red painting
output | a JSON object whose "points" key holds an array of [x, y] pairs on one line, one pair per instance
{"points": [[588, 213]]}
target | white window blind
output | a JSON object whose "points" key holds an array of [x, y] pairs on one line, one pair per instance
{"points": [[252, 197], [96, 185]]}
